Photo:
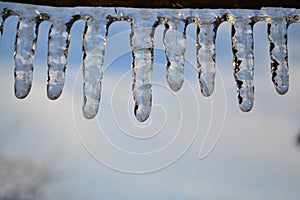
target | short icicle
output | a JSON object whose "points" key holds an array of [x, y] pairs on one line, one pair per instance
{"points": [[206, 53], [57, 57], [277, 34], [142, 64], [24, 55], [175, 46], [243, 61], [94, 41]]}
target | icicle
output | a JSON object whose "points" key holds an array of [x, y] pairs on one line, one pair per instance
{"points": [[175, 46], [243, 62], [1, 26], [57, 57], [142, 64], [277, 34], [93, 49], [206, 52], [24, 53]]}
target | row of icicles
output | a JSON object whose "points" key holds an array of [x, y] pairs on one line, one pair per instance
{"points": [[141, 40]]}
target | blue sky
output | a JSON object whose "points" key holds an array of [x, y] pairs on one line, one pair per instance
{"points": [[256, 156]]}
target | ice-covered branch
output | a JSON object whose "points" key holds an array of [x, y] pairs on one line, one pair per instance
{"points": [[143, 23]]}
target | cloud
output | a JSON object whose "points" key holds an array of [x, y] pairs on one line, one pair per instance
{"points": [[24, 179]]}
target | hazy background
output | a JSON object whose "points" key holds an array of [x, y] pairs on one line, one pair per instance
{"points": [[49, 151]]}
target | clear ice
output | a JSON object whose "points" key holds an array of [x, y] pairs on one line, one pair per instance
{"points": [[277, 34], [143, 24], [57, 57], [142, 63], [175, 45], [24, 53], [206, 50], [94, 41], [243, 61]]}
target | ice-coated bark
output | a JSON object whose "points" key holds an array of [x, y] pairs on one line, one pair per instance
{"points": [[142, 64], [24, 54], [175, 46], [243, 61], [94, 41]]}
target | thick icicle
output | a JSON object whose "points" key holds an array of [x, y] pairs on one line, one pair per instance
{"points": [[277, 34], [93, 49], [24, 53], [57, 57], [175, 46], [142, 64], [243, 61], [206, 52]]}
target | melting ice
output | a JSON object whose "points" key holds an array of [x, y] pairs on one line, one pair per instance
{"points": [[143, 24]]}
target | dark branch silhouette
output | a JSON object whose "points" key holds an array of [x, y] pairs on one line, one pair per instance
{"points": [[247, 4]]}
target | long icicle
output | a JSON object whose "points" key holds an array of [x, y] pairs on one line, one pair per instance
{"points": [[57, 58], [206, 54], [243, 61], [142, 65], [24, 54], [94, 41], [175, 46], [277, 34]]}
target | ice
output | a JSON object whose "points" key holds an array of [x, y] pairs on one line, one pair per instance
{"points": [[175, 45], [57, 58], [143, 24], [277, 34], [24, 53], [206, 51], [243, 61], [142, 63], [94, 41], [24, 50]]}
